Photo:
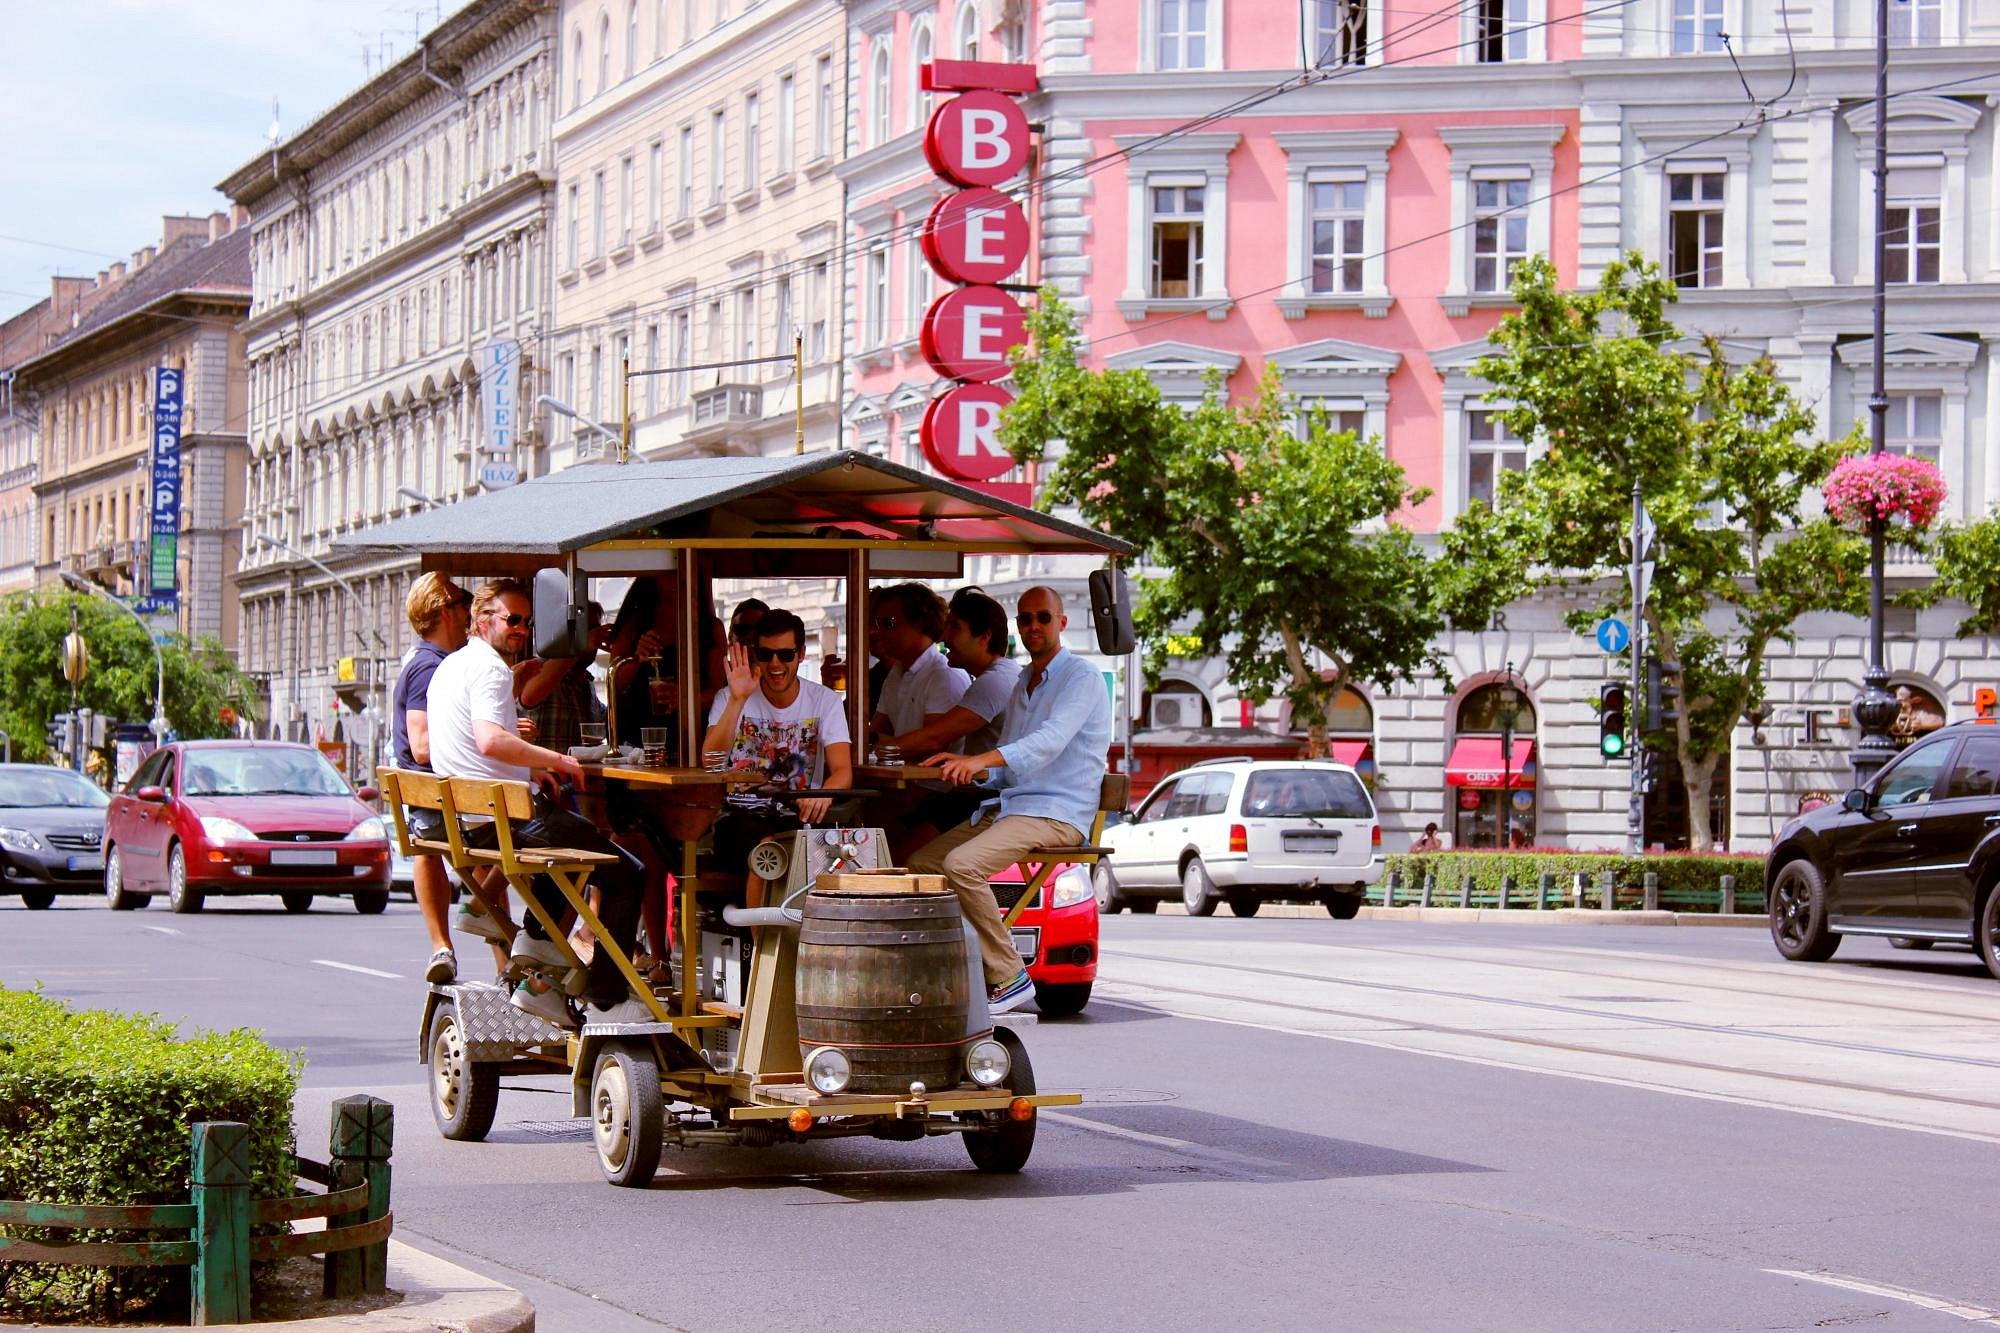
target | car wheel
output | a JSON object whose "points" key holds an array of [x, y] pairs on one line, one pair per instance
{"points": [[1005, 1150], [371, 902], [115, 895], [1056, 1001], [1197, 889], [626, 1115], [1905, 942], [1343, 906], [1110, 902], [1989, 932], [183, 897], [38, 900], [1244, 904], [296, 900], [1798, 914], [1143, 906], [464, 1094]]}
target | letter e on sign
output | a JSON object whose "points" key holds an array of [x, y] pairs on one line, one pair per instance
{"points": [[977, 138], [961, 433], [966, 333], [976, 236]]}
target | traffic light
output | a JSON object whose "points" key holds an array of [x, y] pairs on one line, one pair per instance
{"points": [[1663, 692], [1651, 765], [58, 733], [1611, 721]]}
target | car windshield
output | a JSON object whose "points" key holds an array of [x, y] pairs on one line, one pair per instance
{"points": [[50, 787], [259, 773], [1306, 792]]}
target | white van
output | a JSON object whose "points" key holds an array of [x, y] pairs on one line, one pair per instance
{"points": [[1242, 831]]}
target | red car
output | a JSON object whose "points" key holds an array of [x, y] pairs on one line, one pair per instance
{"points": [[210, 817], [1056, 935]]}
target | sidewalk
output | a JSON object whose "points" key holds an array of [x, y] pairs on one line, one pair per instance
{"points": [[438, 1297], [1520, 916]]}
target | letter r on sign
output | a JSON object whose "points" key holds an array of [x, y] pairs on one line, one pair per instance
{"points": [[979, 429]]}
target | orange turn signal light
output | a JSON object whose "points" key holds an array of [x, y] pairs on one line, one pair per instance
{"points": [[800, 1120], [1021, 1109]]}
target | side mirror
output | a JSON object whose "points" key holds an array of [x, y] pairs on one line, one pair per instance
{"points": [[562, 619], [155, 794], [1855, 802], [366, 793], [1111, 610]]}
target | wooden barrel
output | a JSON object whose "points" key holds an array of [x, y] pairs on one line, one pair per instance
{"points": [[883, 977]]}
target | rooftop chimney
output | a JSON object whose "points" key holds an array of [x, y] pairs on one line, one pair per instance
{"points": [[173, 228], [218, 227], [144, 257], [118, 271]]}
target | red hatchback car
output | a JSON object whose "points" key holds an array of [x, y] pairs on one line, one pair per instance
{"points": [[210, 817], [1056, 935]]}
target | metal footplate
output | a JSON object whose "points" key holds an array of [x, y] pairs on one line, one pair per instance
{"points": [[495, 1029]]}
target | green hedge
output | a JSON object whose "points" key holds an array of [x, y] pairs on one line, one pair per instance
{"points": [[97, 1107], [1688, 882]]}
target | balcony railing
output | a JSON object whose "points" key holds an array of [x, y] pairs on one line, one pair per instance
{"points": [[726, 405]]}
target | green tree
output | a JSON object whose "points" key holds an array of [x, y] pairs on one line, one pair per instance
{"points": [[1276, 543], [1724, 459], [201, 677], [1967, 556]]}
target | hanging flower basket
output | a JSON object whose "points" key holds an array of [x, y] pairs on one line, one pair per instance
{"points": [[1901, 491]]}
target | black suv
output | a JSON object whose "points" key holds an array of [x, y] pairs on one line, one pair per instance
{"points": [[1914, 855]]}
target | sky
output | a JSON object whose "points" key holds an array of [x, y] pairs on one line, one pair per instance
{"points": [[118, 112]]}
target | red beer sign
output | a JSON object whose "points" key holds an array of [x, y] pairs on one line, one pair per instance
{"points": [[967, 331], [977, 138], [976, 236], [961, 433]]}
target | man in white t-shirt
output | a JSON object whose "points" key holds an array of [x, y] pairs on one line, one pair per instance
{"points": [[793, 730], [904, 626], [474, 732]]}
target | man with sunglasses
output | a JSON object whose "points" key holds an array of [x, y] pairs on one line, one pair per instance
{"points": [[792, 729], [1044, 778], [474, 730]]}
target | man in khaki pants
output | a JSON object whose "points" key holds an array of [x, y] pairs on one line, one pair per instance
{"points": [[1045, 775]]}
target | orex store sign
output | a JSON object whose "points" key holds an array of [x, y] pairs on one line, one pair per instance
{"points": [[976, 238]]}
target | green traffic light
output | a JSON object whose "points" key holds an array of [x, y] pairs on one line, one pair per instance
{"points": [[1612, 745]]}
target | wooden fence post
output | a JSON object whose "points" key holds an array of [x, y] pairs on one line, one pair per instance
{"points": [[1543, 888], [221, 1277], [1424, 893], [1506, 889], [359, 1143], [1465, 890]]}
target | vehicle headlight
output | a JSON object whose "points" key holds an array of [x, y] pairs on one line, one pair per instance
{"points": [[225, 830], [827, 1070], [19, 840], [1072, 887], [370, 829], [988, 1063]]}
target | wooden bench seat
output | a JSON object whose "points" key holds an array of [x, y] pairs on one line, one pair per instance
{"points": [[1037, 862]]}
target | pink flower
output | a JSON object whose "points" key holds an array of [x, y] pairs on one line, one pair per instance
{"points": [[1895, 488]]}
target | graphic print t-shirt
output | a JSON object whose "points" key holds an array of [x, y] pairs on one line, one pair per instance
{"points": [[787, 744]]}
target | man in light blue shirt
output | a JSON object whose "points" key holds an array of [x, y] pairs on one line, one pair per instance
{"points": [[1047, 770]]}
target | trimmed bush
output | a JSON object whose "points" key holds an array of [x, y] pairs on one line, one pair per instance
{"points": [[98, 1107], [1687, 882]]}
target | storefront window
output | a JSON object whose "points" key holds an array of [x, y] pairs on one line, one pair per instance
{"points": [[1491, 774]]}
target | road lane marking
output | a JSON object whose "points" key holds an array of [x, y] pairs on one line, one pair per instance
{"points": [[161, 930], [356, 967], [1972, 1314]]}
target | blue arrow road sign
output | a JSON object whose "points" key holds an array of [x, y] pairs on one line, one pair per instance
{"points": [[1612, 635]]}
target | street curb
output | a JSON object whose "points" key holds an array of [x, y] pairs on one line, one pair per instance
{"points": [[1519, 916]]}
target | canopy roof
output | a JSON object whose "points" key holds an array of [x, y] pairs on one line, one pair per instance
{"points": [[835, 500]]}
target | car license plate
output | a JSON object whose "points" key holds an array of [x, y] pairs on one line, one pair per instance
{"points": [[86, 863], [1028, 943], [1312, 842], [314, 857]]}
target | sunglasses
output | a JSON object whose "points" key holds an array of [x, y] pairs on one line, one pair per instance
{"points": [[883, 622], [782, 654], [1027, 618], [512, 622]]}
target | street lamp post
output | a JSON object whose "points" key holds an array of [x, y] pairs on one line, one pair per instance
{"points": [[1875, 708], [159, 722], [1510, 713], [412, 493], [360, 615], [562, 409]]}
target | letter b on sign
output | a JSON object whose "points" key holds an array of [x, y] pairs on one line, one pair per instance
{"points": [[979, 138], [961, 433]]}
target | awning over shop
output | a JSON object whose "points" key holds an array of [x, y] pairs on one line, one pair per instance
{"points": [[1476, 761], [1350, 753]]}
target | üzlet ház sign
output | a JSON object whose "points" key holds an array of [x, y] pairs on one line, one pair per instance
{"points": [[975, 238]]}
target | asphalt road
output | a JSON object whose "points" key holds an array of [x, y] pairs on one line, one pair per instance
{"points": [[1288, 1123]]}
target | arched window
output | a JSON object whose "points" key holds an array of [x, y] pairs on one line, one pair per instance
{"points": [[965, 31], [631, 38], [1490, 775], [659, 28], [603, 52], [921, 52], [878, 92]]}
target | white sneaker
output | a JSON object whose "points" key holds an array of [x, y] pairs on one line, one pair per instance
{"points": [[476, 921], [530, 955], [1007, 998], [443, 969], [625, 1011], [545, 1004]]}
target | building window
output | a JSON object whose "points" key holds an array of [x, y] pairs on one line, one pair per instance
{"points": [[753, 140], [1913, 228], [627, 203], [746, 329], [1176, 225], [1013, 34], [718, 157], [715, 344], [1916, 426], [1339, 32], [917, 289], [1490, 449], [1697, 27], [823, 106], [1916, 22], [1338, 220], [1694, 227], [1501, 31], [683, 353], [1499, 231], [597, 215], [631, 38], [684, 191], [921, 50], [965, 30], [878, 92], [576, 70], [656, 183], [652, 363], [785, 334], [788, 110], [1182, 39], [816, 298], [875, 297], [603, 53], [596, 382]]}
